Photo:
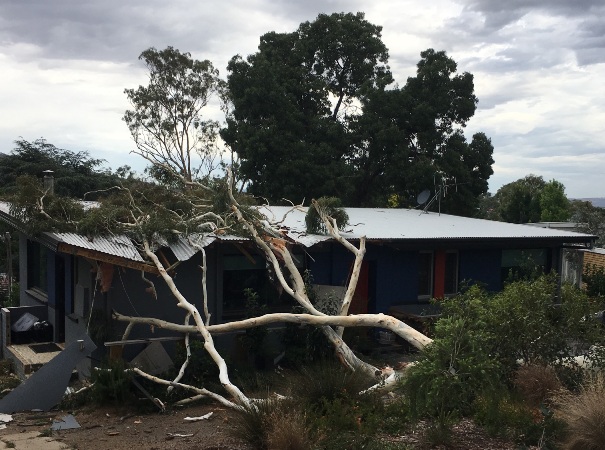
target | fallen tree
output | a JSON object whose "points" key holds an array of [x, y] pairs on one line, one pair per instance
{"points": [[276, 249], [145, 212]]}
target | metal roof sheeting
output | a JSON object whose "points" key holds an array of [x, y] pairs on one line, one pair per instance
{"points": [[404, 224], [373, 223], [117, 245]]}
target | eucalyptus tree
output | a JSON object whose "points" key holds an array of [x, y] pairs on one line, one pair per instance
{"points": [[166, 120], [411, 138], [145, 211], [74, 172]]}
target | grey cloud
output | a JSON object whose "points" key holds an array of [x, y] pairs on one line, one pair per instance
{"points": [[498, 10], [484, 21]]}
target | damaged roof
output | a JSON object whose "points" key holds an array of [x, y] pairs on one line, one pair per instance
{"points": [[376, 224]]}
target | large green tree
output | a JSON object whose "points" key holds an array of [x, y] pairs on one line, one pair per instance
{"points": [[313, 115], [293, 101], [531, 199], [589, 219], [554, 205], [519, 201], [411, 139], [166, 120]]}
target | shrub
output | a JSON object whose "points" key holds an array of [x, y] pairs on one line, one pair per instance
{"points": [[584, 415], [480, 339], [457, 365], [112, 384], [594, 279]]}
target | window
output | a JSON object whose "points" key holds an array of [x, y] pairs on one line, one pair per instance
{"points": [[521, 264], [450, 285], [437, 274], [425, 274], [37, 257], [240, 274]]}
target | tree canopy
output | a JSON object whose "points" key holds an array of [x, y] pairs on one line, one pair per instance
{"points": [[530, 199], [589, 219], [74, 173], [314, 114], [166, 119]]}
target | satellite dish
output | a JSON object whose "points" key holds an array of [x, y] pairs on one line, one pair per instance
{"points": [[423, 197]]}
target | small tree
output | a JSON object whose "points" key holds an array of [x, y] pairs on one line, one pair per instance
{"points": [[166, 121]]}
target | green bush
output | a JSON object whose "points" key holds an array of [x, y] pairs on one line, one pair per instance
{"points": [[112, 384], [458, 364], [201, 369], [480, 340], [594, 279]]}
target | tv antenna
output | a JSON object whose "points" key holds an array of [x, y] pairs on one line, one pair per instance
{"points": [[440, 180]]}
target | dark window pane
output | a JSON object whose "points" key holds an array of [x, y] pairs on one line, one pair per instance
{"points": [[425, 274], [37, 266], [451, 273]]}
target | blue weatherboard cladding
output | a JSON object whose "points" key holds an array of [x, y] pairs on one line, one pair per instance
{"points": [[481, 267], [395, 271]]}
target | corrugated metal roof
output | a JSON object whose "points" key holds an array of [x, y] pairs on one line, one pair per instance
{"points": [[186, 248], [117, 245], [374, 223], [395, 224]]}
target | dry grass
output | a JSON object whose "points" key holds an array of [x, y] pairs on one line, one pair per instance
{"points": [[536, 383], [584, 415], [288, 431]]}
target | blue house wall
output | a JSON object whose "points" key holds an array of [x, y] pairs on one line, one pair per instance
{"points": [[395, 271], [482, 266]]}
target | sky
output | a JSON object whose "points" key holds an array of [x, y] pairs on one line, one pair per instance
{"points": [[538, 66]]}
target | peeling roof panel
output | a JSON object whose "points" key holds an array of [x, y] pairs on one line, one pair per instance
{"points": [[120, 246], [186, 248]]}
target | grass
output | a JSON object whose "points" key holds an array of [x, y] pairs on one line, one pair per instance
{"points": [[583, 414], [536, 384]]}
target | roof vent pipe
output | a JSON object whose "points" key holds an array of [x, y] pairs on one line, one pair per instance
{"points": [[49, 182]]}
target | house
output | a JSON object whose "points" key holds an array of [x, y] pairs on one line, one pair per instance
{"points": [[411, 257]]}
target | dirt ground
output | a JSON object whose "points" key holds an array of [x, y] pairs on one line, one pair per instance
{"points": [[113, 428]]}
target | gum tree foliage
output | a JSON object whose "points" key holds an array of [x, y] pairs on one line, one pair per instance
{"points": [[318, 102], [408, 139], [554, 205], [166, 120], [292, 102]]}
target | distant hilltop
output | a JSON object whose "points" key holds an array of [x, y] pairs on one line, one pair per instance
{"points": [[598, 201]]}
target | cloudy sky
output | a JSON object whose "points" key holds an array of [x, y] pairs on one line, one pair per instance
{"points": [[539, 68]]}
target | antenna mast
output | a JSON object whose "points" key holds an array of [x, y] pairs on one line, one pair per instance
{"points": [[440, 181]]}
